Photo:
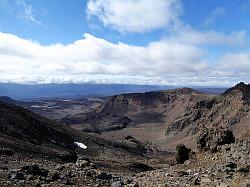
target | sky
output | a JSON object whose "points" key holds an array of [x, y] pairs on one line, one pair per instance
{"points": [[163, 42]]}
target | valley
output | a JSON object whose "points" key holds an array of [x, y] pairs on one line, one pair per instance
{"points": [[127, 139]]}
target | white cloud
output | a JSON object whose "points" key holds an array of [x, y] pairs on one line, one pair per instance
{"points": [[26, 13], [91, 59], [94, 56], [235, 65], [187, 35], [135, 15], [215, 14]]}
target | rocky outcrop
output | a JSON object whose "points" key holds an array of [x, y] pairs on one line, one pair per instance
{"points": [[212, 138]]}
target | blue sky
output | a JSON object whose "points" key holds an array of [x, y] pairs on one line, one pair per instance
{"points": [[134, 41]]}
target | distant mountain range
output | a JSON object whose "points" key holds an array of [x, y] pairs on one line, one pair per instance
{"points": [[33, 91]]}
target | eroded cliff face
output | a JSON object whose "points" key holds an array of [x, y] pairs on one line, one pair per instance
{"points": [[231, 110]]}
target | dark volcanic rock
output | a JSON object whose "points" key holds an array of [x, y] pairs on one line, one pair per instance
{"points": [[34, 170], [182, 153], [6, 151], [104, 176], [70, 157], [17, 175], [211, 139], [24, 125], [245, 88], [52, 176], [23, 131], [225, 137], [140, 167]]}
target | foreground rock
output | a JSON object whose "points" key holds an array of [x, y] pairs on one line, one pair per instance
{"points": [[229, 166], [182, 153], [83, 173]]}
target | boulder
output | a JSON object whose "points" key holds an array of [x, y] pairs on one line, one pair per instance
{"points": [[182, 153]]}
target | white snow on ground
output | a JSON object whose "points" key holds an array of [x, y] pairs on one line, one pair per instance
{"points": [[81, 145]]}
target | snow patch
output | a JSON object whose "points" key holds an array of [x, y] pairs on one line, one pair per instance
{"points": [[81, 145]]}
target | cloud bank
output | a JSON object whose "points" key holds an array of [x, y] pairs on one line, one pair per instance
{"points": [[182, 57], [92, 59]]}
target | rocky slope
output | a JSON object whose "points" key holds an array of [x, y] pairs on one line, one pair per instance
{"points": [[6, 99], [32, 146], [230, 109], [228, 165], [167, 118], [25, 133], [133, 134]]}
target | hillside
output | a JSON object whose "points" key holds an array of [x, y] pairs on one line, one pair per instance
{"points": [[130, 141], [24, 132], [166, 118]]}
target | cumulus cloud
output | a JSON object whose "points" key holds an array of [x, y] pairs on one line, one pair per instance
{"points": [[92, 59], [95, 56], [135, 15], [179, 58]]}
